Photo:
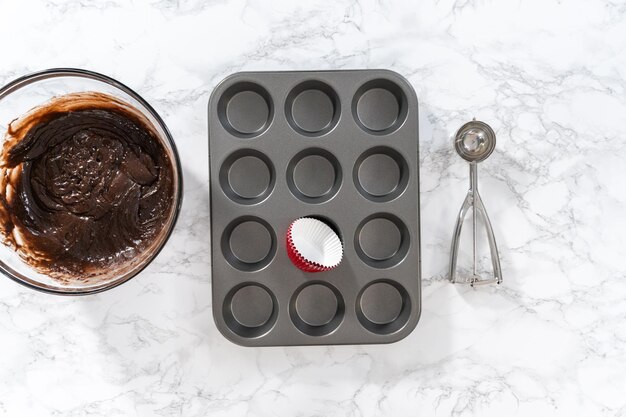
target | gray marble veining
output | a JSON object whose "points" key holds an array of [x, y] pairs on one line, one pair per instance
{"points": [[549, 77]]}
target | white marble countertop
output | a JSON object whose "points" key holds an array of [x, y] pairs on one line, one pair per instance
{"points": [[549, 76]]}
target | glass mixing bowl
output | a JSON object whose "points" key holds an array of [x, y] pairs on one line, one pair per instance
{"points": [[28, 92]]}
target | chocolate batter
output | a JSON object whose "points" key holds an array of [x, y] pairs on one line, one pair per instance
{"points": [[86, 187]]}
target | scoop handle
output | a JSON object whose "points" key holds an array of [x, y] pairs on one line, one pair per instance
{"points": [[473, 201]]}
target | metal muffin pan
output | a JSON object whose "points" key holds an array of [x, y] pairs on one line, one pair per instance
{"points": [[341, 146]]}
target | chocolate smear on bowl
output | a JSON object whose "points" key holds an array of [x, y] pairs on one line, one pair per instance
{"points": [[86, 187]]}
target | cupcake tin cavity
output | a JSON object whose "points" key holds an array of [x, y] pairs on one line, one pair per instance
{"points": [[340, 146]]}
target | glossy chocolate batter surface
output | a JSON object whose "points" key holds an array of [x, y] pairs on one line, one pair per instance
{"points": [[86, 187]]}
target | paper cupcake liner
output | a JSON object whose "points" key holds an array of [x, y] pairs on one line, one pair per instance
{"points": [[313, 246]]}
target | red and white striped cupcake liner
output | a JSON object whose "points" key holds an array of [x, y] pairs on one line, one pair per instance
{"points": [[313, 246]]}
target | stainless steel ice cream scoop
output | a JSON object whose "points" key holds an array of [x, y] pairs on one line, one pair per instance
{"points": [[474, 142]]}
